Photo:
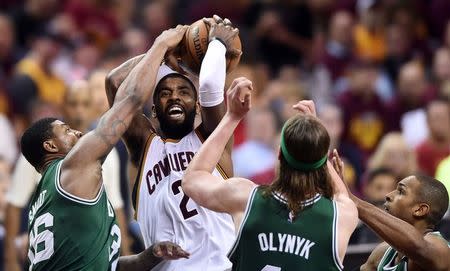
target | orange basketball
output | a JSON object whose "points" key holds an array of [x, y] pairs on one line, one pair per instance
{"points": [[195, 44]]}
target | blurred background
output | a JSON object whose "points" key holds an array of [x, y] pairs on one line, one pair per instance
{"points": [[378, 71]]}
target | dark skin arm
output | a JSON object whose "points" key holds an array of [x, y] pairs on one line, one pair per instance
{"points": [[375, 258], [426, 252], [140, 127], [81, 169], [152, 256]]}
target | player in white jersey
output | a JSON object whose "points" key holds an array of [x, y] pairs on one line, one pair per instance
{"points": [[162, 151]]}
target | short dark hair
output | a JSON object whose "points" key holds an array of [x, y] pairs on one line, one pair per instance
{"points": [[32, 139], [434, 193], [379, 171]]}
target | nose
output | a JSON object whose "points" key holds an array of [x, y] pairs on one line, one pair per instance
{"points": [[388, 197], [78, 134], [174, 96]]}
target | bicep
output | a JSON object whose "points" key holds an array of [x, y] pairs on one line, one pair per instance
{"points": [[435, 253], [219, 195]]}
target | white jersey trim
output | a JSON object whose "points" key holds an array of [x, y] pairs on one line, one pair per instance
{"points": [[335, 249], [70, 196], [241, 227]]}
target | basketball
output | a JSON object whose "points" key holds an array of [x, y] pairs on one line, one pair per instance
{"points": [[195, 44]]}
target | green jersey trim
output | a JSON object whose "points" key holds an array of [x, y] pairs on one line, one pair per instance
{"points": [[241, 227], [71, 197], [335, 248], [278, 196]]}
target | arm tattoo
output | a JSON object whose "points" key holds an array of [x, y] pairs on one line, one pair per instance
{"points": [[110, 132]]}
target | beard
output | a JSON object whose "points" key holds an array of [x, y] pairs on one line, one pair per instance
{"points": [[172, 130]]}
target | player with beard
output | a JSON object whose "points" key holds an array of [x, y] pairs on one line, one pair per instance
{"points": [[407, 225], [161, 148]]}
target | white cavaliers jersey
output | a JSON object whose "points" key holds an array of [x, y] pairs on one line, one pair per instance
{"points": [[165, 213]]}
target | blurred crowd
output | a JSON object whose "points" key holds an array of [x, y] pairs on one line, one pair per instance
{"points": [[378, 71]]}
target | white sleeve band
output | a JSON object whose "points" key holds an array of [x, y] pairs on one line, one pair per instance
{"points": [[212, 75]]}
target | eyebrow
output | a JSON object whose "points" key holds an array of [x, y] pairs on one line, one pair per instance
{"points": [[402, 185]]}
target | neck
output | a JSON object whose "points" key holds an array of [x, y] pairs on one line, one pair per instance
{"points": [[47, 161]]}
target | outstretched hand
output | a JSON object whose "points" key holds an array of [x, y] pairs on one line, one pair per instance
{"points": [[306, 107], [171, 38], [224, 31], [169, 251], [239, 97]]}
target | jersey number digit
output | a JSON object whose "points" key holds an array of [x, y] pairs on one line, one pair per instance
{"points": [[41, 243], [115, 246], [176, 189], [271, 268]]}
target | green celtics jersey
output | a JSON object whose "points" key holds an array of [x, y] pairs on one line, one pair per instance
{"points": [[70, 233], [388, 260], [270, 240]]}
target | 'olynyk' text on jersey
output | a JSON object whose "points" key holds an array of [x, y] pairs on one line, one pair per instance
{"points": [[286, 243]]}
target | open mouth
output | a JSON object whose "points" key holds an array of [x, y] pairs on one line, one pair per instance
{"points": [[175, 112], [386, 208]]}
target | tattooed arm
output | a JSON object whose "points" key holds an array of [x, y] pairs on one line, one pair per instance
{"points": [[80, 172]]}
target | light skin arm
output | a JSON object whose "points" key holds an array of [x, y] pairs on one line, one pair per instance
{"points": [[429, 252], [12, 225], [152, 256], [86, 155], [212, 192], [348, 213], [123, 225]]}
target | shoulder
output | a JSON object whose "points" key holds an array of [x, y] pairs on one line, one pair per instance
{"points": [[375, 257]]}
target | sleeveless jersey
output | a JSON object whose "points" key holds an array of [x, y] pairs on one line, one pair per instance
{"points": [[69, 233], [165, 213], [387, 263], [270, 240]]}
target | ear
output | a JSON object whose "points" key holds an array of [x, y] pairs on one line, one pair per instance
{"points": [[50, 146], [153, 111], [197, 108], [279, 154], [420, 210]]}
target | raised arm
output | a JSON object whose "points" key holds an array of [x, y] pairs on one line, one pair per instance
{"points": [[429, 252], [198, 182], [129, 99], [140, 127]]}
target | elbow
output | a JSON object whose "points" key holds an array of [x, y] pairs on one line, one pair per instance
{"points": [[186, 183]]}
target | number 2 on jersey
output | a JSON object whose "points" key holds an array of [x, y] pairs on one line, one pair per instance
{"points": [[176, 189]]}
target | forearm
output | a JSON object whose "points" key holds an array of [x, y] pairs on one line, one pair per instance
{"points": [[211, 151], [212, 75], [118, 75], [142, 261], [398, 233], [12, 225], [339, 187], [123, 225]]}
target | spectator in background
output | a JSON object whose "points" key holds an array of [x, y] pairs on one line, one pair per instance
{"points": [[394, 154], [35, 78], [369, 33], [283, 31], [379, 183], [443, 172], [406, 110], [8, 143], [437, 145], [9, 54], [156, 16], [338, 54], [332, 119], [31, 17], [136, 41], [255, 159], [95, 19], [398, 46], [441, 68], [5, 180], [363, 110]]}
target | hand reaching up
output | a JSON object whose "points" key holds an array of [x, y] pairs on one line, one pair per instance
{"points": [[169, 251], [239, 97], [305, 107]]}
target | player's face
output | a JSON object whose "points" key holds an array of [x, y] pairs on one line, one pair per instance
{"points": [[175, 106], [64, 136], [402, 201]]}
